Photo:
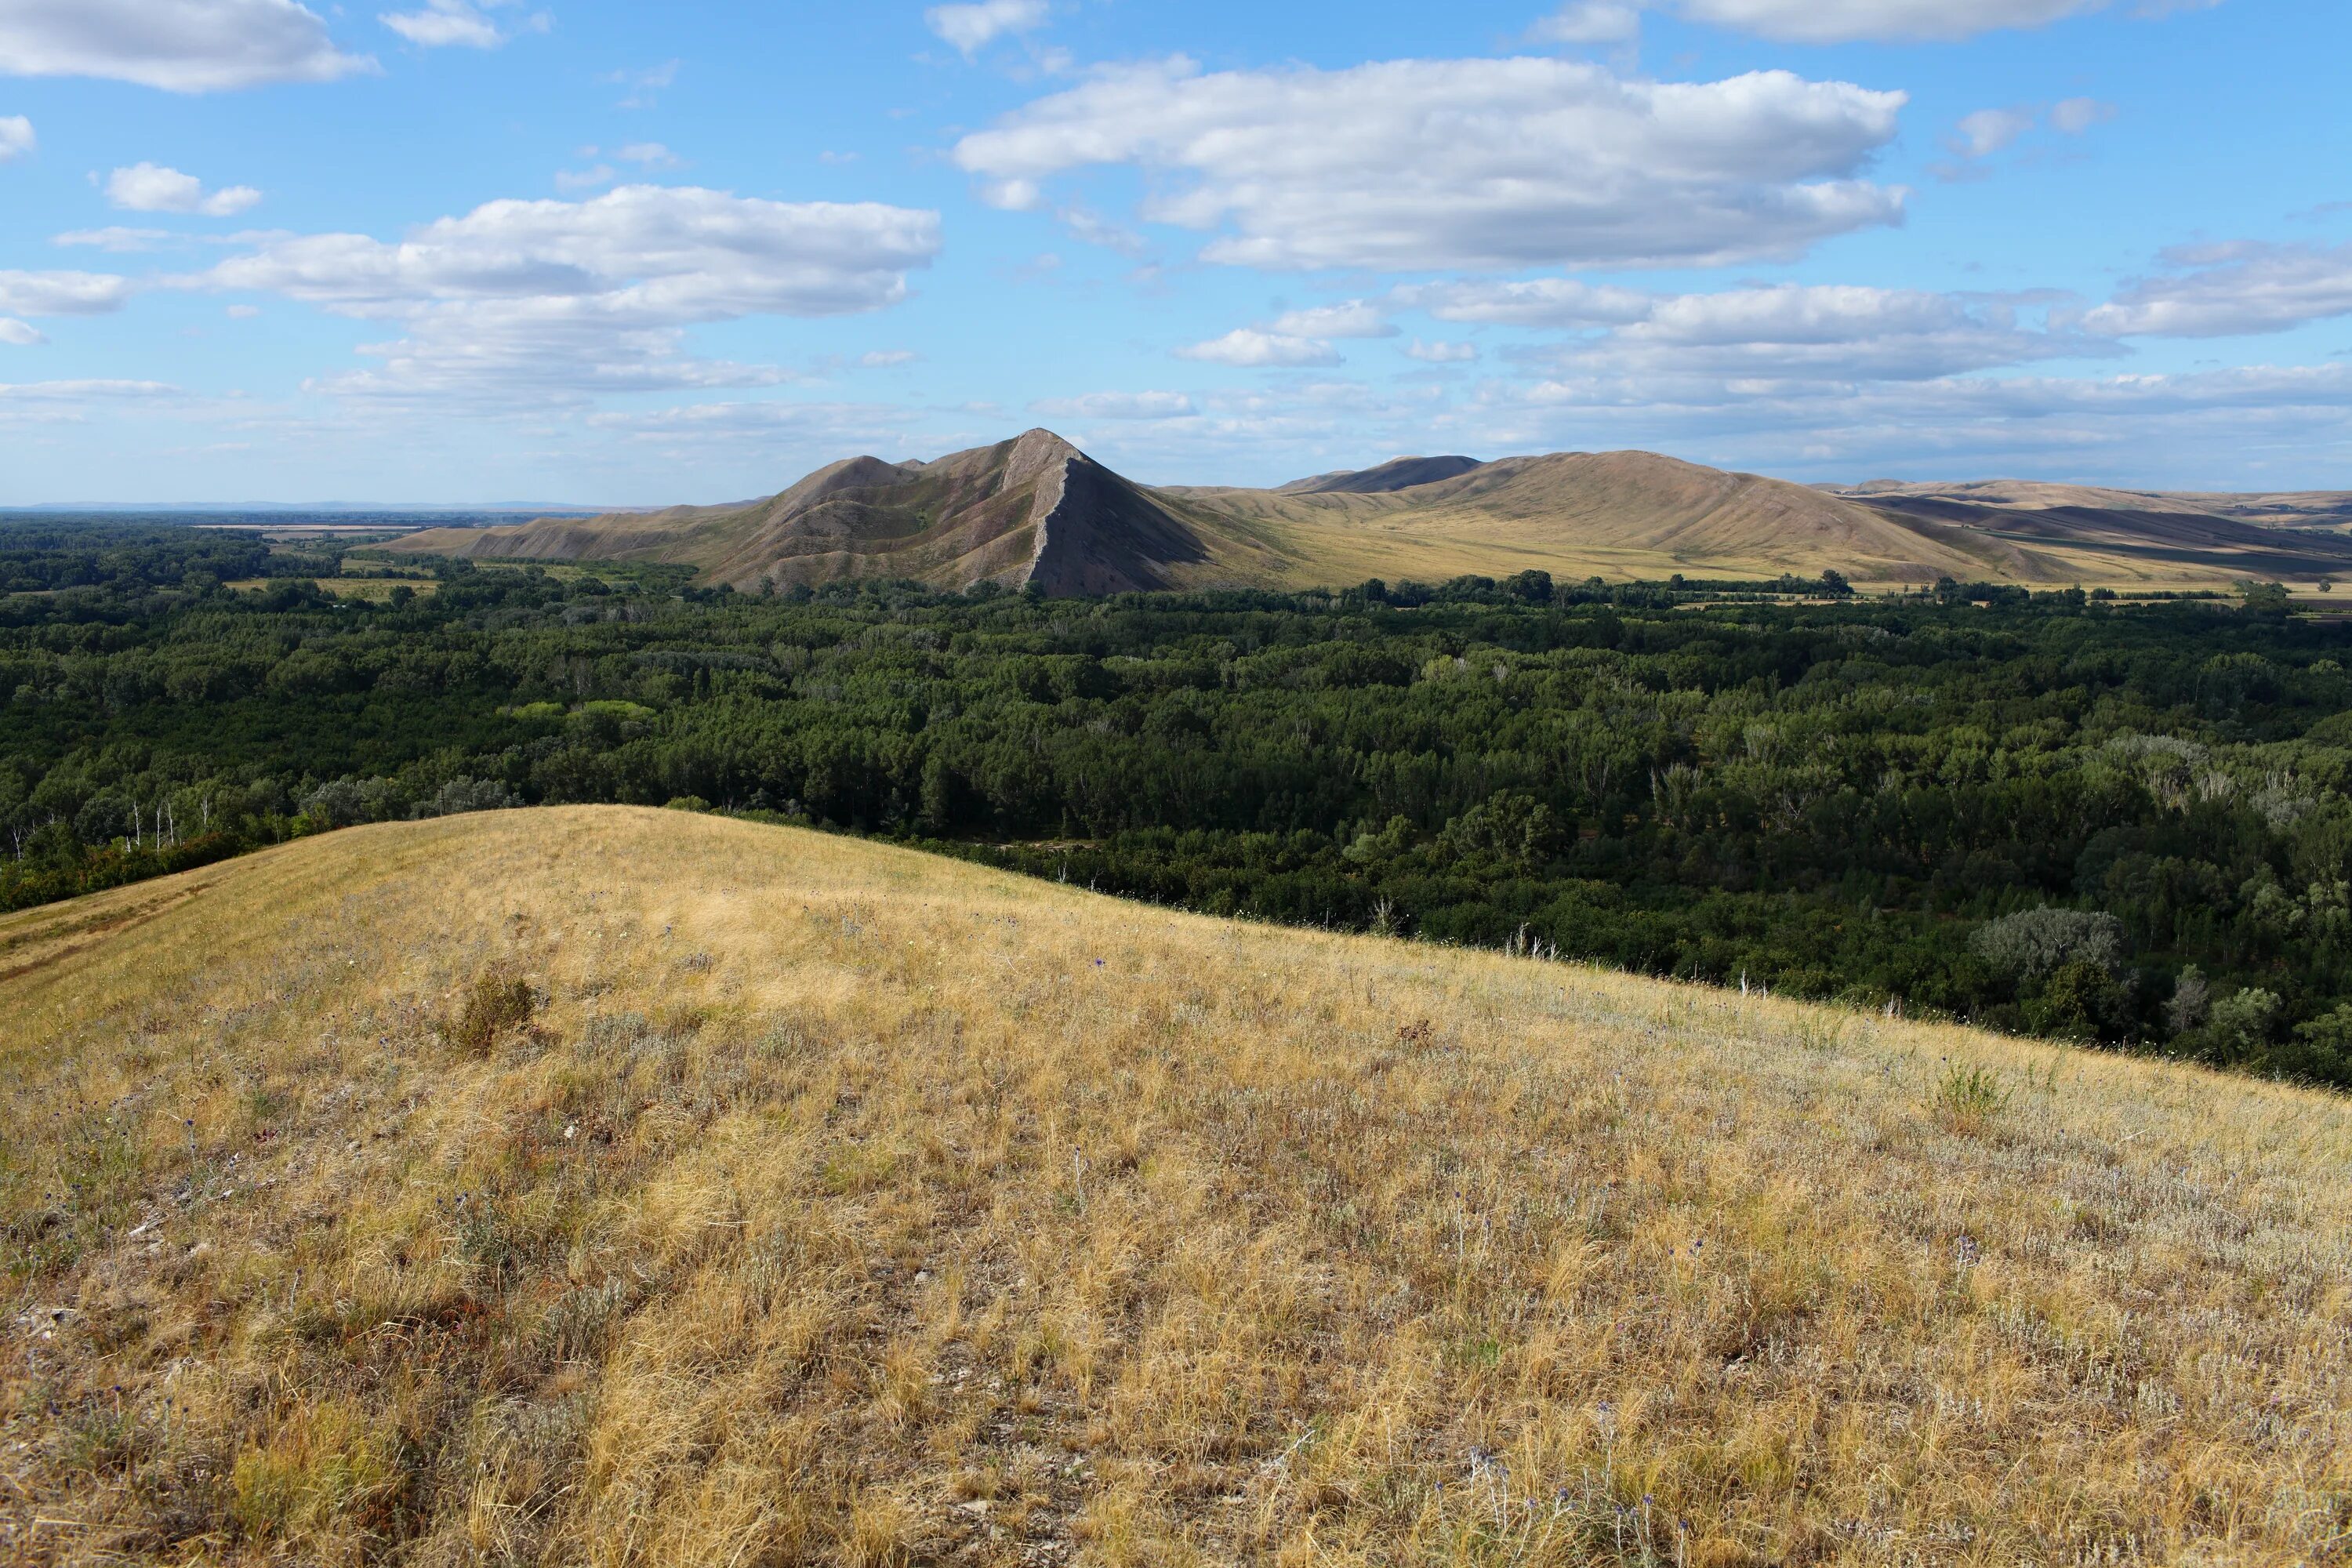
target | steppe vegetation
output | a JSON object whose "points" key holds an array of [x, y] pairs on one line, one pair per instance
{"points": [[611, 1186]]}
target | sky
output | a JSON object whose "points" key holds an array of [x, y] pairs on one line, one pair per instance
{"points": [[595, 252]]}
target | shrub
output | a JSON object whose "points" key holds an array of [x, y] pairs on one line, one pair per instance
{"points": [[1967, 1099], [493, 1005]]}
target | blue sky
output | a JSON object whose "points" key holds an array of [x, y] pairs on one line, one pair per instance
{"points": [[592, 252]]}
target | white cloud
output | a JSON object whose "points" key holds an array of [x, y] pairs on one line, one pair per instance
{"points": [[180, 46], [17, 137], [1812, 332], [443, 23], [2222, 291], [563, 299], [971, 28], [570, 180], [1117, 405], [1428, 164], [115, 239], [1353, 319], [1441, 353], [645, 86], [1830, 331], [1535, 302], [1850, 21], [242, 313], [21, 334], [886, 359], [647, 155], [61, 293], [1252, 349], [151, 188], [1590, 22], [2076, 115], [1987, 131]]}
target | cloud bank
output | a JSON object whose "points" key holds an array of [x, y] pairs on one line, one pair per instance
{"points": [[1426, 165]]}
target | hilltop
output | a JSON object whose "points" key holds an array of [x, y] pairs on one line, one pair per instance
{"points": [[632, 1186], [1036, 510]]}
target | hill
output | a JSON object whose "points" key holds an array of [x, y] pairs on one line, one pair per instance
{"points": [[1031, 509], [628, 1186]]}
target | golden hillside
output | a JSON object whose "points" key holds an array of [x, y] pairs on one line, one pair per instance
{"points": [[618, 1186]]}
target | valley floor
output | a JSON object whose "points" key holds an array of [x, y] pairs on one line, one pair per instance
{"points": [[608, 1185]]}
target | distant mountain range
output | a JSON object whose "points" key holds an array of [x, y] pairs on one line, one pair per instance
{"points": [[1035, 509]]}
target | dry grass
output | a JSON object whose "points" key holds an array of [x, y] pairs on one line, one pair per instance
{"points": [[832, 1204]]}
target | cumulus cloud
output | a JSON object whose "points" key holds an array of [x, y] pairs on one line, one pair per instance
{"points": [[151, 188], [17, 137], [61, 293], [180, 46], [1352, 318], [1117, 405], [1252, 350], [886, 359], [1484, 164], [567, 299], [22, 334], [1441, 353], [2223, 290], [973, 28]]}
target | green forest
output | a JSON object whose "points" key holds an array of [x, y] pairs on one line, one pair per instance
{"points": [[2052, 814]]}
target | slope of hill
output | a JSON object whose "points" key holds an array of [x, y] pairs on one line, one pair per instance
{"points": [[1033, 510], [624, 1186], [2277, 536], [1396, 474], [1617, 514]]}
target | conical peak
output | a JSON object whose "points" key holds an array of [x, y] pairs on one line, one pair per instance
{"points": [[1033, 454]]}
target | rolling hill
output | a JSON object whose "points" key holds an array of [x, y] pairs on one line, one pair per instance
{"points": [[628, 1186], [1037, 510]]}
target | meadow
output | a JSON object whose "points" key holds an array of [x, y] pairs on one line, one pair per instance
{"points": [[616, 1185]]}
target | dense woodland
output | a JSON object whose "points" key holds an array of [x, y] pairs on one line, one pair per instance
{"points": [[2051, 814]]}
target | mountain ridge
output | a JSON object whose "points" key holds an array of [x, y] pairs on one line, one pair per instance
{"points": [[1036, 510]]}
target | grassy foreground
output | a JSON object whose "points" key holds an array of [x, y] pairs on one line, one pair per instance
{"points": [[809, 1200]]}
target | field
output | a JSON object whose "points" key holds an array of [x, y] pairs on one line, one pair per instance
{"points": [[611, 1186]]}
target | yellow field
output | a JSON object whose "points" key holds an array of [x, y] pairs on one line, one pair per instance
{"points": [[616, 1186]]}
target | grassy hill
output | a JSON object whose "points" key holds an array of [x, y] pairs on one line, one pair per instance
{"points": [[610, 1185]]}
